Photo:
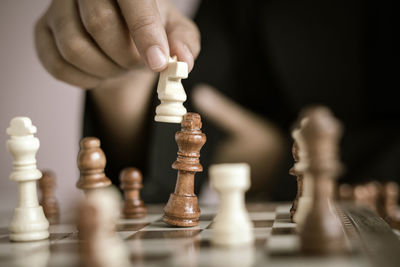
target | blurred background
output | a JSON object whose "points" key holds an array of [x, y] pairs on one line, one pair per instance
{"points": [[28, 90]]}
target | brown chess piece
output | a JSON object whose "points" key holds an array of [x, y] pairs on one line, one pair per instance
{"points": [[91, 163], [299, 177], [346, 193], [131, 183], [390, 197], [182, 208], [48, 199], [322, 232]]}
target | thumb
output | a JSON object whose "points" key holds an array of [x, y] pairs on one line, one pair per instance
{"points": [[147, 30]]}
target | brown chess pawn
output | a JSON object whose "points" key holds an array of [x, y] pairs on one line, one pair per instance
{"points": [[182, 208], [299, 177], [346, 192], [91, 163], [390, 195], [48, 199], [322, 232], [131, 183]]}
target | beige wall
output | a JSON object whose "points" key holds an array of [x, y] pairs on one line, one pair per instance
{"points": [[26, 89]]}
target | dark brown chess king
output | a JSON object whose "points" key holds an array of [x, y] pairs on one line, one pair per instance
{"points": [[182, 208]]}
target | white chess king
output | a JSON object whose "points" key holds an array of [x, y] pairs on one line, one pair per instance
{"points": [[29, 222], [232, 225], [171, 93]]}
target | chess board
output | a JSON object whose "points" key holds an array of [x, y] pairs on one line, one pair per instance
{"points": [[153, 243]]}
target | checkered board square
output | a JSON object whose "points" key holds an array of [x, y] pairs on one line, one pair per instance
{"points": [[153, 243]]}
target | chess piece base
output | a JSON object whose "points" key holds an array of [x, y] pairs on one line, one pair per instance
{"points": [[239, 235], [29, 224], [135, 212], [182, 211], [170, 119]]}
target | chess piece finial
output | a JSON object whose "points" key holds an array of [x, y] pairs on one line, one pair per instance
{"points": [[322, 232], [48, 200], [29, 222], [182, 207], [171, 92], [91, 163], [131, 183]]}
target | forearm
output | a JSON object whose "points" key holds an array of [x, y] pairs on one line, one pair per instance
{"points": [[122, 104]]}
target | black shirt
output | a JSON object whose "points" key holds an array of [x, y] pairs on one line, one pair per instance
{"points": [[276, 57]]}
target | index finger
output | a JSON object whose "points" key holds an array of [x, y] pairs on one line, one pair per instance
{"points": [[147, 30]]}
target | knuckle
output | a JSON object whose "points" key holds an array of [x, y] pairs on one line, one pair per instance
{"points": [[72, 49], [98, 19], [142, 23], [59, 23], [57, 69]]}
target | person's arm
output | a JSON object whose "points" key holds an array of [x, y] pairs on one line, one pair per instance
{"points": [[102, 45], [250, 137]]}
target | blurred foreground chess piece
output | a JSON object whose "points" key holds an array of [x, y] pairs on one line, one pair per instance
{"points": [[171, 92], [299, 177], [91, 163], [305, 200], [47, 185], [100, 246], [390, 195], [182, 208], [131, 183], [232, 225], [29, 222], [322, 232], [346, 193]]}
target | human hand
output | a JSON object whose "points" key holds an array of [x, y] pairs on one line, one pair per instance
{"points": [[251, 138], [84, 42]]}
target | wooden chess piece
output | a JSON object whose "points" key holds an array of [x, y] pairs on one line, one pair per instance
{"points": [[299, 178], [346, 192], [322, 232], [48, 199], [100, 245], [131, 183], [91, 163], [171, 92], [374, 189], [305, 200], [390, 195], [182, 208]]}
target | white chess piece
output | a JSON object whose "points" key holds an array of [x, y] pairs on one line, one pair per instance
{"points": [[232, 225], [29, 222], [306, 199], [171, 93], [107, 246]]}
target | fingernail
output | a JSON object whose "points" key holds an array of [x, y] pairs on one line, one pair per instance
{"points": [[190, 59], [156, 58]]}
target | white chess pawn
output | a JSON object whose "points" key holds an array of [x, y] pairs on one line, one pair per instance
{"points": [[306, 199], [29, 222], [171, 92], [232, 225]]}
